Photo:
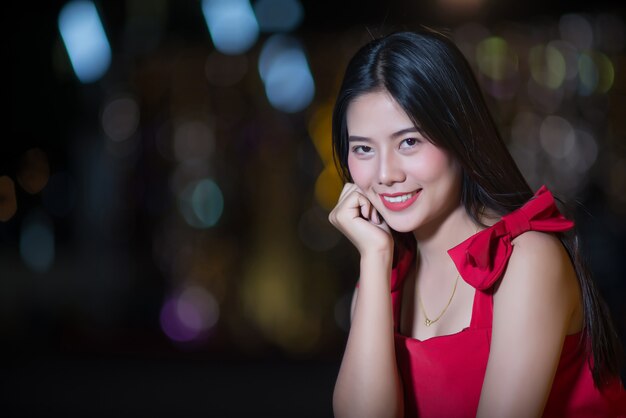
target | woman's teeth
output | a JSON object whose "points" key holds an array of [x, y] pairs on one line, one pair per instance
{"points": [[398, 199]]}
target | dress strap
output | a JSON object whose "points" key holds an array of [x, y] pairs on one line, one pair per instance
{"points": [[482, 309], [398, 274]]}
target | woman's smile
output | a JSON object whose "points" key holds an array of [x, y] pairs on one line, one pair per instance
{"points": [[399, 201]]}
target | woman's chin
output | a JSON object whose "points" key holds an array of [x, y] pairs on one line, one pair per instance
{"points": [[400, 227]]}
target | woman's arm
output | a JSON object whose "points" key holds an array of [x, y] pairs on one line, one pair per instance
{"points": [[368, 384], [534, 307]]}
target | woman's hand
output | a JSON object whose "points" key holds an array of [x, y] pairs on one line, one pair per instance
{"points": [[358, 220]]}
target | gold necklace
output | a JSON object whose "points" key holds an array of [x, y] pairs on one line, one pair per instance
{"points": [[427, 321]]}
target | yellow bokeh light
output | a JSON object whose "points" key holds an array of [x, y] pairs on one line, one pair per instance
{"points": [[272, 295], [606, 72], [8, 202], [320, 130], [328, 187], [547, 66], [34, 171]]}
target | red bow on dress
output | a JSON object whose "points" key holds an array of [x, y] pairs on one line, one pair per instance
{"points": [[482, 258]]}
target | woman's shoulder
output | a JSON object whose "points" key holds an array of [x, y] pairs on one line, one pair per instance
{"points": [[537, 244], [537, 256], [540, 270]]}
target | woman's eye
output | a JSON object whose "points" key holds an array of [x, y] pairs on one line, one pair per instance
{"points": [[409, 142], [362, 149]]}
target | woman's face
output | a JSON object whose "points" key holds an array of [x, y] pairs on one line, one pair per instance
{"points": [[410, 181]]}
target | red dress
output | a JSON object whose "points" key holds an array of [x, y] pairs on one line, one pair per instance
{"points": [[443, 376]]}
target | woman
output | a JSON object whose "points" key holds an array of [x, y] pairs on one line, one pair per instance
{"points": [[472, 298]]}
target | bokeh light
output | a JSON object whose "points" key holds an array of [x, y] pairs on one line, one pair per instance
{"points": [[285, 72], [278, 15], [37, 246], [584, 154], [328, 188], [576, 29], [588, 74], [120, 118], [193, 140], [189, 315], [85, 40], [557, 136], [201, 204], [273, 299], [8, 202], [232, 25], [547, 66], [605, 72], [34, 170], [496, 59]]}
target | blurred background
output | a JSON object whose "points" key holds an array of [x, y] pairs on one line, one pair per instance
{"points": [[166, 175]]}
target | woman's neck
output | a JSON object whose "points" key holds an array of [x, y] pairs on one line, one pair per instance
{"points": [[436, 238]]}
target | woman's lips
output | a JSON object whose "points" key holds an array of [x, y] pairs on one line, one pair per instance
{"points": [[399, 201]]}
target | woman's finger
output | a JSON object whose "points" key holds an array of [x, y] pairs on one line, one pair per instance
{"points": [[365, 207], [347, 188]]}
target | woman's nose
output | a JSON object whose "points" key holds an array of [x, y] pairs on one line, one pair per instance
{"points": [[389, 170]]}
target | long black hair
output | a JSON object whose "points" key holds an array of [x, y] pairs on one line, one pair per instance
{"points": [[433, 83]]}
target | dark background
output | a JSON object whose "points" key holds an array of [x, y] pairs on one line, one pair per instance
{"points": [[83, 337]]}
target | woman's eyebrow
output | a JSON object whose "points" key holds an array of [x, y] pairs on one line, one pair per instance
{"points": [[406, 131], [401, 132]]}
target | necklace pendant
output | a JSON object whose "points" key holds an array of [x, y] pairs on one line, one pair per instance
{"points": [[427, 322]]}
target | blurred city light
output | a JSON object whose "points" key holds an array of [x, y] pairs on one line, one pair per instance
{"points": [[193, 140], [585, 152], [547, 66], [37, 246], [201, 204], [495, 58], [274, 300], [278, 15], [576, 30], [557, 136], [328, 184], [232, 25], [34, 171], [120, 118], [328, 188], [85, 40], [588, 74], [284, 69], [189, 315], [8, 202]]}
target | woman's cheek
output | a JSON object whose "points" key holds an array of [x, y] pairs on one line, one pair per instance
{"points": [[358, 171]]}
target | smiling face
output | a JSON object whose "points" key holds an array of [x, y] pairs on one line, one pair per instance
{"points": [[409, 180]]}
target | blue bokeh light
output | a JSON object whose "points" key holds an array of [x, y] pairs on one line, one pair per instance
{"points": [[201, 204], [278, 15], [232, 25], [289, 85], [37, 242], [85, 40]]}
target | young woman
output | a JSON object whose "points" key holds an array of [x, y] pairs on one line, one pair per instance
{"points": [[472, 298]]}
